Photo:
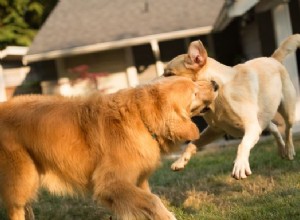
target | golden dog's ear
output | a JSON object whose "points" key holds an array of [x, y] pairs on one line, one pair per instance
{"points": [[197, 56], [186, 130]]}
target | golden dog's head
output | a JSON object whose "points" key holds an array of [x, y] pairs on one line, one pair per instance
{"points": [[188, 65], [180, 99], [183, 93]]}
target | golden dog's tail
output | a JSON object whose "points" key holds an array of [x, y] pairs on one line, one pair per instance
{"points": [[289, 45]]}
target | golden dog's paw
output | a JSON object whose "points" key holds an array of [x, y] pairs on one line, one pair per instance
{"points": [[241, 169], [171, 216], [166, 216], [162, 213]]}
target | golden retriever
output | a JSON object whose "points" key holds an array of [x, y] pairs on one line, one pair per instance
{"points": [[249, 97], [105, 144]]}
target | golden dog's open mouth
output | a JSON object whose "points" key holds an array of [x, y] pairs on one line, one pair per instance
{"points": [[206, 109], [199, 111]]}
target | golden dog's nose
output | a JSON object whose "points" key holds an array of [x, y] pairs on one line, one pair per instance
{"points": [[215, 85]]}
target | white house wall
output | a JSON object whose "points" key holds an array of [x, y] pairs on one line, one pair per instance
{"points": [[111, 62]]}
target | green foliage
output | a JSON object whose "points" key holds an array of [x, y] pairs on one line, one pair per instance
{"points": [[21, 19]]}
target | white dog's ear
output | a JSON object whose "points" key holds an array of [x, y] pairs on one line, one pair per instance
{"points": [[197, 56]]}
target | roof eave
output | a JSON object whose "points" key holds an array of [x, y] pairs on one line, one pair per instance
{"points": [[116, 44], [13, 51], [231, 10]]}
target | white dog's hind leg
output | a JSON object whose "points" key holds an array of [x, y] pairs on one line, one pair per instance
{"points": [[241, 167], [287, 110], [279, 140], [289, 146]]}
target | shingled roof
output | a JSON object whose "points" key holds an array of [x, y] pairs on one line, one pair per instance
{"points": [[77, 26]]}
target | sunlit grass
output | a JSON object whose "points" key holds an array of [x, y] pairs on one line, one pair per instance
{"points": [[205, 190]]}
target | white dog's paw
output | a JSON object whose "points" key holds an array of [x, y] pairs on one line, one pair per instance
{"points": [[290, 152], [290, 155], [281, 152], [241, 169], [178, 164]]}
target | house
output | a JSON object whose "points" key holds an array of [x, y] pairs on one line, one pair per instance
{"points": [[120, 38], [12, 71]]}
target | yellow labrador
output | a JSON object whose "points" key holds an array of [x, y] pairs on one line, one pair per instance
{"points": [[250, 95], [108, 145]]}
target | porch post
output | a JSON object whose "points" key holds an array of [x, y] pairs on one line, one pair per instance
{"points": [[283, 29], [3, 97], [131, 72], [60, 66], [156, 52]]}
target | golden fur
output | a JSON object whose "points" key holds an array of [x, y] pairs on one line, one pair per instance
{"points": [[250, 95], [105, 144]]}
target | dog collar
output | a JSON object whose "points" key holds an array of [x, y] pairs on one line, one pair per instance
{"points": [[154, 136]]}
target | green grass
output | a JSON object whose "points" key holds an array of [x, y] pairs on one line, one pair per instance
{"points": [[205, 190]]}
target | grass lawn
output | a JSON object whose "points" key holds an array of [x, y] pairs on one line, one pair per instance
{"points": [[205, 190]]}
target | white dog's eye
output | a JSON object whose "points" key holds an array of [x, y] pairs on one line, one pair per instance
{"points": [[194, 95]]}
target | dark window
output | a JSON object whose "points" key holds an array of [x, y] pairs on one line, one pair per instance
{"points": [[143, 57], [170, 49]]}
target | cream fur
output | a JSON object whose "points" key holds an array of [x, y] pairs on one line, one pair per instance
{"points": [[249, 97]]}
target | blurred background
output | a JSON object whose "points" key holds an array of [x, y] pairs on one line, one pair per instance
{"points": [[74, 47]]}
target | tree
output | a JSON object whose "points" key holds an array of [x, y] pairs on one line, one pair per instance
{"points": [[21, 19]]}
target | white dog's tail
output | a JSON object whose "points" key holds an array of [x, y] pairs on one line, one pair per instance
{"points": [[289, 45]]}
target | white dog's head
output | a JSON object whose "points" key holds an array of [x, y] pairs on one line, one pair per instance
{"points": [[188, 65]]}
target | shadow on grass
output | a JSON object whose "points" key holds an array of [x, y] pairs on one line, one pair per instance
{"points": [[49, 207]]}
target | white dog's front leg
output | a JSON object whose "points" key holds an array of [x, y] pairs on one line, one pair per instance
{"points": [[207, 136], [241, 167], [180, 163]]}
